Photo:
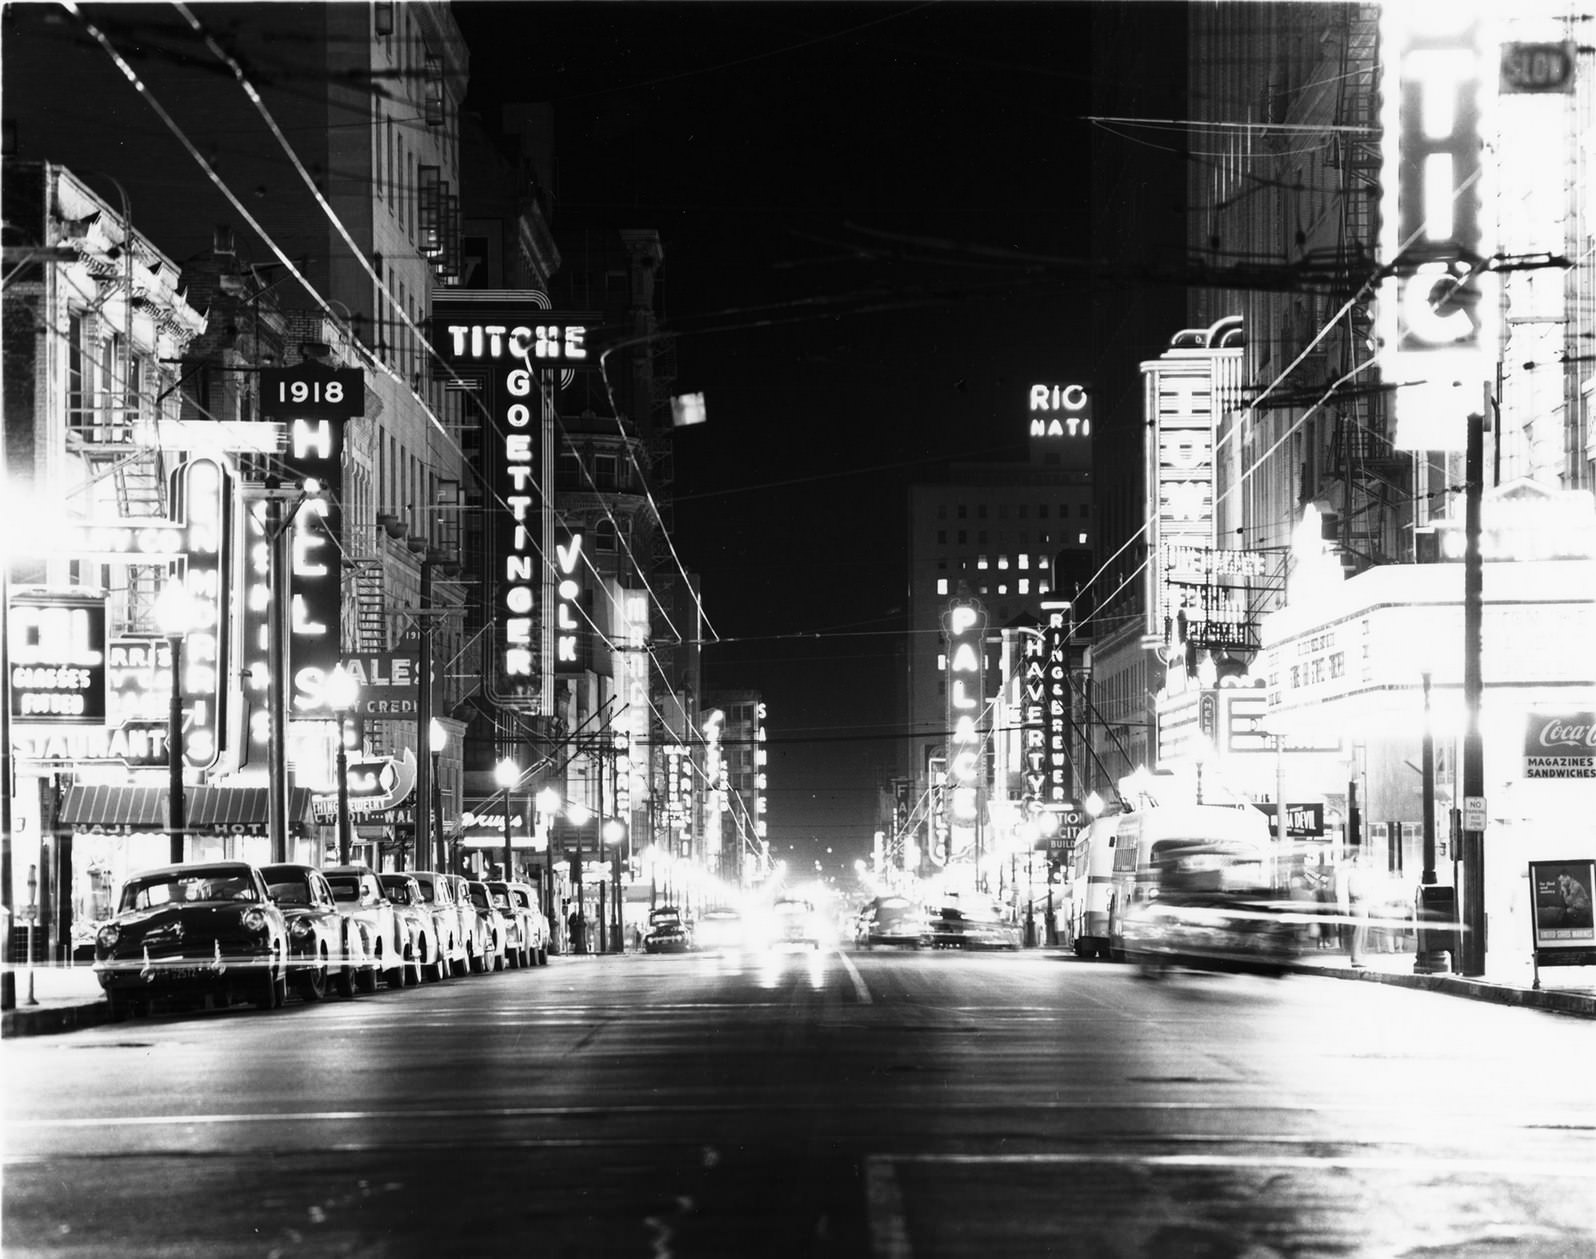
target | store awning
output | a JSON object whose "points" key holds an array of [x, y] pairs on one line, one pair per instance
{"points": [[205, 808]]}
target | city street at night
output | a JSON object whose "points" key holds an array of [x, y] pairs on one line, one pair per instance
{"points": [[886, 1103]]}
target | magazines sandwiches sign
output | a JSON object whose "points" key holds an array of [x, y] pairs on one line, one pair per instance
{"points": [[1560, 745]]}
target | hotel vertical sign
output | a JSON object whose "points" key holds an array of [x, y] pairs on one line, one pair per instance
{"points": [[1180, 410]]}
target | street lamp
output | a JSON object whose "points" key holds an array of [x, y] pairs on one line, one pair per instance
{"points": [[615, 836], [507, 773], [437, 740], [174, 613], [341, 692], [578, 814], [548, 804]]}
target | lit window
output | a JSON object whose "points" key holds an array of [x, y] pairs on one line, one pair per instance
{"points": [[1081, 538], [1024, 587], [1042, 587], [1022, 561], [942, 661], [942, 585], [980, 563], [1003, 588], [1003, 561]]}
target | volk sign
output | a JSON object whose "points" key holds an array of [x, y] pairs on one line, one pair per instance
{"points": [[1560, 745]]}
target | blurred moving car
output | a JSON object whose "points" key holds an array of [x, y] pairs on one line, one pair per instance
{"points": [[667, 931], [1210, 906], [423, 958], [795, 923], [892, 920], [193, 931], [361, 900], [319, 953], [971, 922], [720, 930], [495, 954], [454, 924]]}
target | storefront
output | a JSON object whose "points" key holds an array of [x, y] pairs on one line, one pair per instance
{"points": [[1351, 664], [106, 833]]}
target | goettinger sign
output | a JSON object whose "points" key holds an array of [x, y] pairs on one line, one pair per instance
{"points": [[1560, 745]]}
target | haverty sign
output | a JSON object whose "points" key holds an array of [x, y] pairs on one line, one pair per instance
{"points": [[1560, 745]]}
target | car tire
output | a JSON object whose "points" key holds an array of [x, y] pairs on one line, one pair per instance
{"points": [[312, 986], [393, 976], [366, 978], [461, 965], [475, 964], [265, 986]]}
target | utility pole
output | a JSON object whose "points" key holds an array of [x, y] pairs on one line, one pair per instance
{"points": [[1472, 904], [277, 585], [423, 796]]}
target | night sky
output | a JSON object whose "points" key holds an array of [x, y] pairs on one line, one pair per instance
{"points": [[852, 200]]}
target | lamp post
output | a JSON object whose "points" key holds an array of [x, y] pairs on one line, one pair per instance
{"points": [[615, 836], [507, 773], [174, 613], [578, 814], [437, 740], [342, 692], [548, 804]]}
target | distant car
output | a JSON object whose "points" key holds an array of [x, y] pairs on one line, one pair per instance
{"points": [[455, 925], [191, 931], [361, 899], [892, 920], [796, 923], [719, 930], [423, 958], [478, 938], [526, 895], [667, 931], [495, 926], [319, 954]]}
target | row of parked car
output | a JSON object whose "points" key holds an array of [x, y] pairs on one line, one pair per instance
{"points": [[232, 932]]}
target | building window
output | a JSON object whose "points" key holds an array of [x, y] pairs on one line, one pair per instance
{"points": [[942, 662], [1024, 586], [942, 585], [962, 537], [942, 511], [942, 537], [1003, 588], [1022, 561], [1020, 511], [980, 563], [980, 537], [980, 511], [1003, 561], [962, 511], [1086, 510], [1041, 511]]}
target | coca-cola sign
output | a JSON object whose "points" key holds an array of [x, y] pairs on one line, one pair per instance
{"points": [[1560, 745]]}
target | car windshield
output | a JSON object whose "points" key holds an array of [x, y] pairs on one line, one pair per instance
{"points": [[344, 887], [479, 898], [429, 892], [296, 892], [397, 890], [186, 889]]}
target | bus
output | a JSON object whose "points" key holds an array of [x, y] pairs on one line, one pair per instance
{"points": [[1092, 886], [1134, 879]]}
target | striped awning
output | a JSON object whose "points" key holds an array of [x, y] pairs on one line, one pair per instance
{"points": [[205, 808]]}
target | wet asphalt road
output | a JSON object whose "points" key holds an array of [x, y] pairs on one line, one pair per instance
{"points": [[884, 1104]]}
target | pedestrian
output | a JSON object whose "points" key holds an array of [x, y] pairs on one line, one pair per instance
{"points": [[1358, 892]]}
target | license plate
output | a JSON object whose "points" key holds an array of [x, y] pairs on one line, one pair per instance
{"points": [[178, 974]]}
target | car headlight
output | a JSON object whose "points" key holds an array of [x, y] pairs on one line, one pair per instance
{"points": [[253, 920], [107, 936], [300, 928]]}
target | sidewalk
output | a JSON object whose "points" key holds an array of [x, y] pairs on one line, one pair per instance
{"points": [[68, 997]]}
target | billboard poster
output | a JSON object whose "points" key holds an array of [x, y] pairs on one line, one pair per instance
{"points": [[1564, 932]]}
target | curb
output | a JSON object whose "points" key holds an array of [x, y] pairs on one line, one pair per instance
{"points": [[49, 1019], [1579, 1004]]}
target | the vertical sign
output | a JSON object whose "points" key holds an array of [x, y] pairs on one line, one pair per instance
{"points": [[964, 625], [1057, 771], [501, 346], [573, 641], [315, 584], [1180, 475], [1436, 310]]}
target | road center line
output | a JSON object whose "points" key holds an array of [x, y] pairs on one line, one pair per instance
{"points": [[859, 989]]}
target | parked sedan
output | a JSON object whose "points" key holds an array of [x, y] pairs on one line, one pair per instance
{"points": [[319, 953], [193, 931], [517, 904], [423, 959], [361, 899], [495, 926], [479, 943], [454, 924]]}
